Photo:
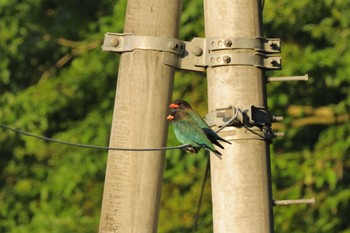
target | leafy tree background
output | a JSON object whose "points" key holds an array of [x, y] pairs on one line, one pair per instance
{"points": [[56, 81]]}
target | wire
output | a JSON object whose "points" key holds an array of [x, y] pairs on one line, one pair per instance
{"points": [[89, 146], [200, 200], [195, 221], [262, 5], [106, 147], [229, 122]]}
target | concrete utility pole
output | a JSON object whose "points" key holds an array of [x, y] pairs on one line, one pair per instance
{"points": [[133, 179], [241, 191]]}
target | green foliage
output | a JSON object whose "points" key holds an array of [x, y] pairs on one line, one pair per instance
{"points": [[313, 159], [56, 81]]}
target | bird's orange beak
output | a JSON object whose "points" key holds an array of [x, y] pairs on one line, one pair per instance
{"points": [[174, 105], [170, 117]]}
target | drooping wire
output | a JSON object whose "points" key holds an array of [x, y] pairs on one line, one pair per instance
{"points": [[262, 5], [199, 205], [195, 223], [106, 147], [196, 216], [89, 146]]}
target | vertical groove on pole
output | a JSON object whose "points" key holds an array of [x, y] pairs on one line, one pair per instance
{"points": [[241, 191], [133, 179]]}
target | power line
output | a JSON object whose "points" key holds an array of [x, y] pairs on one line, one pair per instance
{"points": [[104, 147], [21, 132], [86, 145]]}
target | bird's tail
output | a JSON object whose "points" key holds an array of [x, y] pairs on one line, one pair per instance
{"points": [[217, 143], [221, 139], [217, 153]]}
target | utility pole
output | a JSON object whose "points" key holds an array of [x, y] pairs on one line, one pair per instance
{"points": [[133, 179], [241, 186]]}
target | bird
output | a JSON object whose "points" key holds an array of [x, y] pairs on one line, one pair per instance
{"points": [[188, 132], [182, 105]]}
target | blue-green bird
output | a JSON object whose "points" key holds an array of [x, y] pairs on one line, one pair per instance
{"points": [[182, 105], [188, 132]]}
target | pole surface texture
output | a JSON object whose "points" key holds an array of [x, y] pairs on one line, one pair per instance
{"points": [[133, 179], [241, 191]]}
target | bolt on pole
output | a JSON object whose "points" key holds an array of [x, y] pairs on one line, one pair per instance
{"points": [[241, 182], [133, 179]]}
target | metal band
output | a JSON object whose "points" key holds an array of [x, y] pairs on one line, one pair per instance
{"points": [[201, 53], [125, 42], [212, 52]]}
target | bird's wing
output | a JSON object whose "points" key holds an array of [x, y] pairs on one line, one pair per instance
{"points": [[191, 133], [212, 136], [198, 119]]}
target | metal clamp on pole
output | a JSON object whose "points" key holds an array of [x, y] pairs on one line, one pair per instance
{"points": [[201, 53], [255, 115], [270, 134], [212, 52], [254, 123], [261, 116], [268, 45], [224, 116], [127, 42]]}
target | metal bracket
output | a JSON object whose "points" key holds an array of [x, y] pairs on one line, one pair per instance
{"points": [[258, 116], [256, 119], [261, 116], [223, 115], [127, 42], [201, 53], [269, 45], [212, 52], [269, 134], [238, 58]]}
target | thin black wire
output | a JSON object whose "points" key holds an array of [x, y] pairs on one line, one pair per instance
{"points": [[104, 147], [195, 221], [262, 5], [89, 146], [229, 122]]}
